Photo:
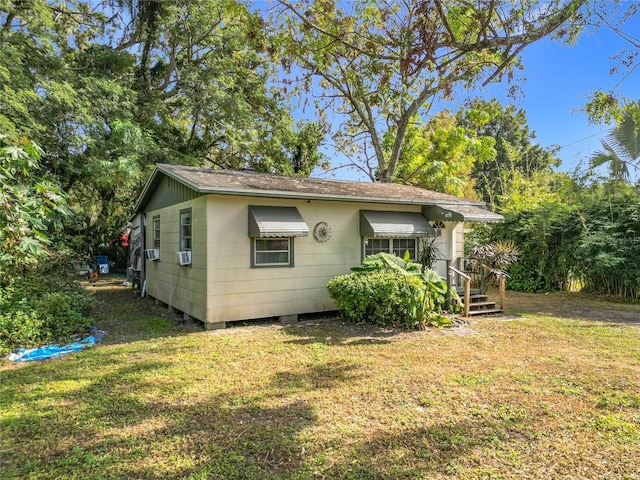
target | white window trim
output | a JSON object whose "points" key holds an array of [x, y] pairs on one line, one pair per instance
{"points": [[156, 231], [182, 236], [391, 249], [255, 251]]}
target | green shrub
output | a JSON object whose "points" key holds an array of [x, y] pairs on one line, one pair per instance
{"points": [[42, 309], [384, 298], [523, 277], [387, 290], [21, 326]]}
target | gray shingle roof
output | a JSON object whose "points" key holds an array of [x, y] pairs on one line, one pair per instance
{"points": [[234, 182]]}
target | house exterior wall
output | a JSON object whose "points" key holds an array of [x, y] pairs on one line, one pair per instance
{"points": [[450, 245], [171, 192], [180, 287], [458, 239], [221, 286], [235, 291]]}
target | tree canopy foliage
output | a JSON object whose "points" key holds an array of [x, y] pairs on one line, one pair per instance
{"points": [[607, 106], [516, 155], [577, 237], [621, 150], [30, 205], [379, 64], [441, 155], [108, 89], [572, 231]]}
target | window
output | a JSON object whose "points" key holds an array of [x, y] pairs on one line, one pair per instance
{"points": [[401, 245], [156, 231], [397, 246], [438, 227], [272, 230], [376, 245], [272, 252], [185, 230]]}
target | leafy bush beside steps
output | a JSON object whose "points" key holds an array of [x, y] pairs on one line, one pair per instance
{"points": [[389, 291]]}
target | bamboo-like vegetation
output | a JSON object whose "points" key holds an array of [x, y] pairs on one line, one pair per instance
{"points": [[595, 243]]}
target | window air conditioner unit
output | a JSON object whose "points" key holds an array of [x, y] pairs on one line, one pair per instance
{"points": [[184, 258], [152, 254]]}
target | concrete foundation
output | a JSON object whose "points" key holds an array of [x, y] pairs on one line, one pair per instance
{"points": [[215, 326], [288, 319]]}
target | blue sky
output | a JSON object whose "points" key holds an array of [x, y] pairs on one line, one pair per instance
{"points": [[558, 81]]}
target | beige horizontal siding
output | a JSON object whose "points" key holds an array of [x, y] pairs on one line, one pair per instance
{"points": [[182, 287], [236, 291], [268, 307], [221, 286]]}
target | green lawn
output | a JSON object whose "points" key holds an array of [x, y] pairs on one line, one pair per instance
{"points": [[546, 395]]}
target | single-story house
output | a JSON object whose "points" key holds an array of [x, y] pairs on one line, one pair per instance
{"points": [[223, 245]]}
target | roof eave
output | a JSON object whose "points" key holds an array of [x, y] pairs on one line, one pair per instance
{"points": [[159, 168], [314, 196], [153, 179]]}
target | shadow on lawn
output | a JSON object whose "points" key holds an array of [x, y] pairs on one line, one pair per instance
{"points": [[314, 377], [118, 426], [115, 413], [336, 332], [132, 418], [107, 430], [126, 317]]}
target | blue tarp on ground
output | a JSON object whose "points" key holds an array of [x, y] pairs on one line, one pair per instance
{"points": [[55, 351]]}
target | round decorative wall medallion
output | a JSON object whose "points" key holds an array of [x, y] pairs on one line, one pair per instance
{"points": [[322, 232]]}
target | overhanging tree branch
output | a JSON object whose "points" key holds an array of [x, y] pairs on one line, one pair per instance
{"points": [[436, 45]]}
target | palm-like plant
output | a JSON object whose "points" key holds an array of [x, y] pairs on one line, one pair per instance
{"points": [[622, 145], [498, 255]]}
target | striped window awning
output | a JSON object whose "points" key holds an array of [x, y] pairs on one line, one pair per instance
{"points": [[460, 213], [276, 222], [377, 223]]}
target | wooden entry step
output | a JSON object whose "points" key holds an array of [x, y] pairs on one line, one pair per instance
{"points": [[474, 291], [479, 305]]}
